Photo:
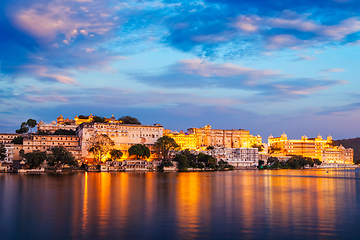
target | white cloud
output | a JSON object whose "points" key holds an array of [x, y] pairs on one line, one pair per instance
{"points": [[46, 21], [334, 70], [207, 69]]}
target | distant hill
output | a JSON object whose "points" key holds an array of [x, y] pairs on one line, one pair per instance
{"points": [[353, 143]]}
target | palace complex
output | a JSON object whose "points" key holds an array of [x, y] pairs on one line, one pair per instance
{"points": [[236, 146], [201, 138], [318, 147], [123, 135]]}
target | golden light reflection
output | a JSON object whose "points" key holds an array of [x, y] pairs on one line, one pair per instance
{"points": [[104, 180], [188, 204], [247, 201], [84, 219]]}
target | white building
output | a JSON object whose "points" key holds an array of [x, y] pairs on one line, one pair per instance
{"points": [[123, 135], [238, 157], [52, 127], [9, 153]]}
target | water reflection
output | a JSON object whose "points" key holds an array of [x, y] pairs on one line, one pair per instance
{"points": [[209, 205]]}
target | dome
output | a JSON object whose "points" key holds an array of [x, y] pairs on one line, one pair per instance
{"points": [[283, 135]]}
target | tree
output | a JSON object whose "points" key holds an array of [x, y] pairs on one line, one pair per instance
{"points": [[259, 147], [317, 161], [31, 123], [33, 159], [61, 156], [43, 132], [183, 162], [139, 150], [99, 119], [64, 132], [83, 117], [99, 145], [23, 128], [208, 160], [18, 140], [163, 146], [129, 120], [2, 152], [115, 154]]}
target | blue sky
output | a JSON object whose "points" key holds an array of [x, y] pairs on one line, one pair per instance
{"points": [[265, 66]]}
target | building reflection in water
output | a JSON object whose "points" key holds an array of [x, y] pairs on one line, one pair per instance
{"points": [[280, 204]]}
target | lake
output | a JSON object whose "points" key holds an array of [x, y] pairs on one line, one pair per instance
{"points": [[278, 204]]}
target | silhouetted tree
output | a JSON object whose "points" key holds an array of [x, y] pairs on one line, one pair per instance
{"points": [[139, 150]]}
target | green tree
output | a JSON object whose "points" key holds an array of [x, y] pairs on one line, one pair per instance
{"points": [[18, 140], [31, 123], [23, 128], [99, 145], [208, 160], [129, 120], [139, 150], [64, 132], [115, 154], [33, 159], [43, 132], [2, 152], [163, 146], [183, 162], [61, 156], [99, 119]]}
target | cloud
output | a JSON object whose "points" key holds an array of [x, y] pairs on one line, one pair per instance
{"points": [[303, 58], [334, 70], [265, 84], [217, 26]]}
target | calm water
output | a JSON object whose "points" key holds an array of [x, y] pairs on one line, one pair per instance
{"points": [[284, 204]]}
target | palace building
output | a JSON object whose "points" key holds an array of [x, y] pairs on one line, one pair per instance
{"points": [[123, 135], [201, 138], [318, 147], [71, 124], [45, 143]]}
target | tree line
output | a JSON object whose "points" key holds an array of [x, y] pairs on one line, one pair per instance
{"points": [[294, 162], [58, 157]]}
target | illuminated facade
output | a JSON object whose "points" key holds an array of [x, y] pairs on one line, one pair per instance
{"points": [[123, 135], [318, 147], [52, 127], [8, 137], [184, 140], [201, 138], [70, 124], [45, 143]]}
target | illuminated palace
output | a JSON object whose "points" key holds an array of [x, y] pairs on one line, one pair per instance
{"points": [[71, 124], [201, 138], [318, 147], [123, 135]]}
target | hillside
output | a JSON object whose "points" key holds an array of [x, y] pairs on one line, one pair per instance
{"points": [[353, 143]]}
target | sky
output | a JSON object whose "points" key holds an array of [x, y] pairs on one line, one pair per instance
{"points": [[265, 66]]}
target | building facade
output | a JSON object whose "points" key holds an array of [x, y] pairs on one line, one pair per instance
{"points": [[123, 135], [201, 138], [8, 137], [45, 143], [238, 157], [318, 147]]}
